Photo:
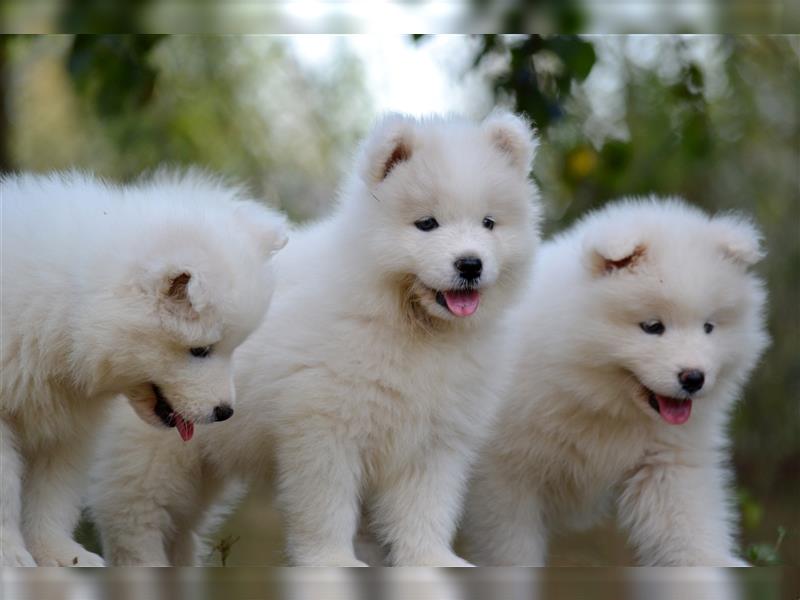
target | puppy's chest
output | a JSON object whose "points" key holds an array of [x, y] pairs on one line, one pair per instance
{"points": [[593, 465], [419, 393], [604, 467], [56, 415]]}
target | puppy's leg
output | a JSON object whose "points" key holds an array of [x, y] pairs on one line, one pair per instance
{"points": [[503, 523], [12, 545], [319, 484], [678, 514], [213, 502], [53, 485], [139, 484], [417, 508], [185, 549]]}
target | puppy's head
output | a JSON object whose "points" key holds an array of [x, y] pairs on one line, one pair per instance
{"points": [[199, 287], [674, 309], [447, 211]]}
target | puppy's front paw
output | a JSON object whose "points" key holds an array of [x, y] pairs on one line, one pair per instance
{"points": [[348, 563], [15, 555], [737, 562], [452, 561], [66, 555], [438, 560], [330, 560], [458, 562]]}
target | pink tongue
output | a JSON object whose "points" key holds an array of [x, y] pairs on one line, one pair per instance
{"points": [[462, 303], [674, 412], [185, 428]]}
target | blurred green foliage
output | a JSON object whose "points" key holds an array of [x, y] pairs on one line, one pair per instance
{"points": [[113, 71], [566, 16], [102, 16], [766, 555], [120, 105], [713, 119], [540, 93]]}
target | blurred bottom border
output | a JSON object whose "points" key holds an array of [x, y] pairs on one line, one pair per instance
{"points": [[267, 583]]}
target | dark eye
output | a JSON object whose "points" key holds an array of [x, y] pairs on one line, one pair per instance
{"points": [[488, 222], [708, 327], [653, 327], [200, 351], [426, 224]]}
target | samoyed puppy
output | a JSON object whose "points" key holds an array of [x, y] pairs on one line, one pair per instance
{"points": [[142, 290], [374, 376], [640, 328]]}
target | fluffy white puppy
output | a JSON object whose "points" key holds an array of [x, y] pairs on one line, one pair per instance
{"points": [[639, 330], [375, 374], [142, 290]]}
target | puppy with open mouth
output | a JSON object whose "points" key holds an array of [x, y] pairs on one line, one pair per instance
{"points": [[640, 328], [376, 374], [141, 291], [169, 417]]}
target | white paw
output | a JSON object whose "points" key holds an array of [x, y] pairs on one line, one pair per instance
{"points": [[15, 555], [738, 562], [441, 560], [330, 560], [348, 563], [67, 554], [457, 562]]}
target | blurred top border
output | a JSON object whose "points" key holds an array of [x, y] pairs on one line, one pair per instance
{"points": [[395, 17]]}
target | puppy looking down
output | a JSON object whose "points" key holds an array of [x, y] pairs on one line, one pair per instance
{"points": [[142, 290]]}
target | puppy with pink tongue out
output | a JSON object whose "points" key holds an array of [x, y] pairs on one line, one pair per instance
{"points": [[376, 374], [638, 332], [185, 428]]}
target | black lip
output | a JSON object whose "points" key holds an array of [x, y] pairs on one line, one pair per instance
{"points": [[651, 398], [440, 299], [163, 410]]}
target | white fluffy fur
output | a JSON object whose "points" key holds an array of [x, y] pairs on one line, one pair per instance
{"points": [[359, 387], [577, 435], [104, 290]]}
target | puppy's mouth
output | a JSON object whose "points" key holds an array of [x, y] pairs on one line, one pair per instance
{"points": [[675, 411], [461, 303], [169, 416]]}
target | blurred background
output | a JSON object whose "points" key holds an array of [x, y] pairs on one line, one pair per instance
{"points": [[714, 118]]}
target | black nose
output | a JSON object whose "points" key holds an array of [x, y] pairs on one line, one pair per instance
{"points": [[691, 379], [469, 267], [223, 412]]}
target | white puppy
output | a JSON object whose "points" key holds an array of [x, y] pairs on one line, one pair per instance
{"points": [[640, 328], [375, 375], [142, 290]]}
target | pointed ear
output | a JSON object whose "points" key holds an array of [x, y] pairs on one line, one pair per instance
{"points": [[738, 239], [267, 227], [513, 136], [180, 293], [611, 251], [389, 144]]}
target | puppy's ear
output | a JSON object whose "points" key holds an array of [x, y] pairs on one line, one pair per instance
{"points": [[180, 293], [738, 239], [612, 251], [390, 144], [513, 136], [266, 227]]}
